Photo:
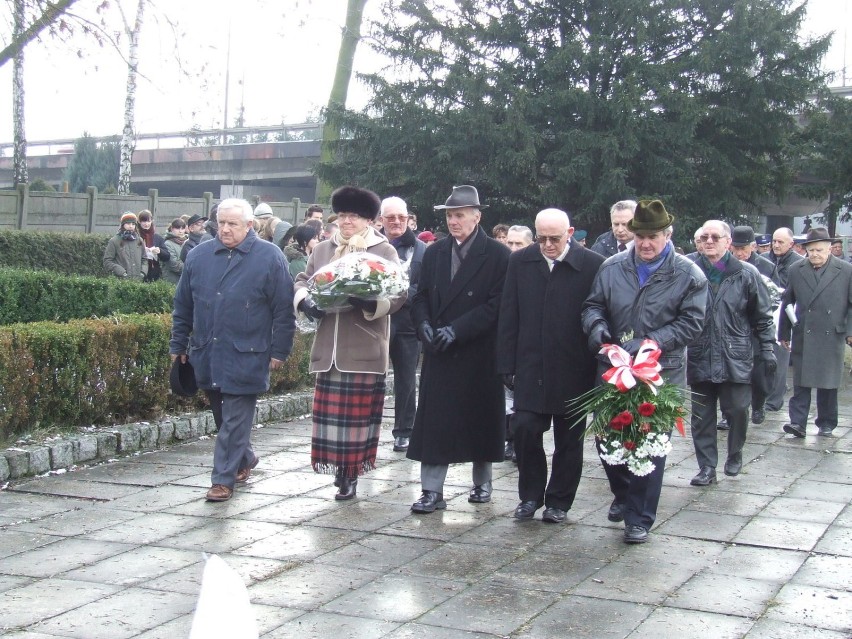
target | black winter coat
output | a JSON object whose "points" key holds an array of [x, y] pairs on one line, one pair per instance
{"points": [[540, 336], [736, 311], [461, 407]]}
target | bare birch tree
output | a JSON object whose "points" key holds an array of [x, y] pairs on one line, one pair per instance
{"points": [[340, 88], [128, 133], [20, 136]]}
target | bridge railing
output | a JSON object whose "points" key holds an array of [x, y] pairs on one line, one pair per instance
{"points": [[181, 139], [94, 212]]}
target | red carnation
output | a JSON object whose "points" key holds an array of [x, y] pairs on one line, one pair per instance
{"points": [[375, 266], [616, 424], [323, 277], [625, 418], [630, 445], [646, 409]]}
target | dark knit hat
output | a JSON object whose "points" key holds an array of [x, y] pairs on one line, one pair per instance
{"points": [[650, 215], [351, 199]]}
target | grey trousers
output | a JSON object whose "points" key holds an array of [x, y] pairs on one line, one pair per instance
{"points": [[432, 476], [234, 415], [775, 400], [734, 400]]}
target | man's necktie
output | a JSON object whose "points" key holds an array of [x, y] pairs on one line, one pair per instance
{"points": [[621, 247]]}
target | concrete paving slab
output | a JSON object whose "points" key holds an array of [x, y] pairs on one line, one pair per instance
{"points": [[826, 571], [135, 567], [298, 544], [147, 529], [774, 629], [306, 587], [780, 533], [536, 570], [87, 518], [46, 598], [222, 535], [233, 508], [70, 486], [14, 541], [8, 582], [751, 562], [813, 606], [724, 595], [837, 540], [322, 624], [290, 510], [689, 624], [704, 525], [379, 552], [490, 609], [21, 506], [802, 510], [60, 556], [822, 490], [187, 580], [151, 500], [120, 615], [585, 618], [142, 472]]}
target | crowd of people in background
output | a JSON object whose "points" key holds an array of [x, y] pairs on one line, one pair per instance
{"points": [[505, 329]]}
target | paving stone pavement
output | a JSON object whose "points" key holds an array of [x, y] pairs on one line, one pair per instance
{"points": [[115, 551]]}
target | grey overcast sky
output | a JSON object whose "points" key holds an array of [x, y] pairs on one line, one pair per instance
{"points": [[282, 63]]}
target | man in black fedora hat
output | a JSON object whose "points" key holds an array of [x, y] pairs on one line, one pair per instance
{"points": [[820, 288], [460, 413], [195, 231], [646, 292]]}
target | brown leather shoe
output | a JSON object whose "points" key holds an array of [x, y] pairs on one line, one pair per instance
{"points": [[219, 492], [243, 473]]}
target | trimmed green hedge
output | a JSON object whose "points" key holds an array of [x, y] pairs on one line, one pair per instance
{"points": [[39, 296], [100, 372], [70, 253]]}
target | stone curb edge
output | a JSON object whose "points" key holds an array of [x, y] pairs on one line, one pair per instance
{"points": [[98, 444]]}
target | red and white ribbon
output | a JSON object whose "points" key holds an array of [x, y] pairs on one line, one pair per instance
{"points": [[626, 371]]}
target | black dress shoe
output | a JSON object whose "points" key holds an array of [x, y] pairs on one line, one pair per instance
{"points": [[400, 444], [429, 502], [794, 429], [480, 494], [722, 424], [509, 451], [347, 488], [705, 477], [526, 509], [616, 511], [734, 465], [553, 515], [635, 534], [826, 431], [758, 416]]}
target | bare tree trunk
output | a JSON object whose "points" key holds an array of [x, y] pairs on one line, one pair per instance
{"points": [[340, 88], [128, 135], [20, 135]]}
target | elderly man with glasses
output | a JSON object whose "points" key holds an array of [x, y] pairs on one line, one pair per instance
{"points": [[543, 362], [721, 359]]}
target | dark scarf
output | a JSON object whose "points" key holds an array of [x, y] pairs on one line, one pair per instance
{"points": [[646, 269], [129, 236], [460, 251], [148, 238], [715, 272]]}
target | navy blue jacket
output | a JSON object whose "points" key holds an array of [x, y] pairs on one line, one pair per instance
{"points": [[234, 312]]}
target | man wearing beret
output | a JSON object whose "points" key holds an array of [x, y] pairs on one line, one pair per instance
{"points": [[820, 287], [646, 292], [233, 320], [460, 413]]}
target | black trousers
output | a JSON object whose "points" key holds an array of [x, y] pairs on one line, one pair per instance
{"points": [[800, 404], [640, 495], [404, 355], [734, 400], [567, 463]]}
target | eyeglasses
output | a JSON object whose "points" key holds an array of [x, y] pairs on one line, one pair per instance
{"points": [[713, 238], [395, 218], [552, 239]]}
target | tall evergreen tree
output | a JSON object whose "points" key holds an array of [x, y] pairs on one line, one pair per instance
{"points": [[579, 103], [93, 164]]}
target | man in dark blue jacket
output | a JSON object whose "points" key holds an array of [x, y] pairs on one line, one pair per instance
{"points": [[233, 319]]}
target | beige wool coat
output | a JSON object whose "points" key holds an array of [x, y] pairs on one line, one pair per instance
{"points": [[352, 341]]}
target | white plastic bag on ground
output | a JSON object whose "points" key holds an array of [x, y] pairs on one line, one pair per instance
{"points": [[223, 609]]}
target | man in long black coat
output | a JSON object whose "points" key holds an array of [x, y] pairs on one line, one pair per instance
{"points": [[542, 357], [460, 412]]}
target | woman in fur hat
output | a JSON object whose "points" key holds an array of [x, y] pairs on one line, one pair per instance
{"points": [[350, 351]]}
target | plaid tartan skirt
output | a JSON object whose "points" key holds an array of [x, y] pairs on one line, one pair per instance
{"points": [[346, 422]]}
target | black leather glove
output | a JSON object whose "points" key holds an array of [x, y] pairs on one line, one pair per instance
{"points": [[770, 363], [444, 336], [598, 336], [425, 334], [309, 308], [363, 305], [509, 381], [632, 346]]}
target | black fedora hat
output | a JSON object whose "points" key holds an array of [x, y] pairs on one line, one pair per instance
{"points": [[742, 236], [650, 215], [195, 218], [817, 235], [462, 197], [182, 378]]}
